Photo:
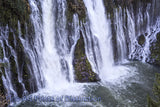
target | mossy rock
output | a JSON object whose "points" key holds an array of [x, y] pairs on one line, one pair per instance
{"points": [[141, 40], [83, 70], [75, 6], [155, 50]]}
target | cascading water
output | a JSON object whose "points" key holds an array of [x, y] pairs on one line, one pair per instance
{"points": [[7, 77], [100, 28], [54, 50], [120, 35], [51, 61], [144, 28]]}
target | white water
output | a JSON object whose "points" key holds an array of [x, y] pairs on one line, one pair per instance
{"points": [[7, 76], [50, 63], [100, 28], [57, 56], [120, 36]]}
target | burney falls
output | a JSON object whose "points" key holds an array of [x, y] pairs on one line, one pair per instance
{"points": [[79, 53]]}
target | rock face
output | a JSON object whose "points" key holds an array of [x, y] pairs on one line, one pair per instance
{"points": [[83, 70], [155, 51], [12, 13]]}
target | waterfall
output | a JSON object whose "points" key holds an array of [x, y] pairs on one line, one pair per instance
{"points": [[53, 47], [120, 36], [49, 49], [7, 80], [101, 30], [139, 26], [51, 62], [35, 53]]}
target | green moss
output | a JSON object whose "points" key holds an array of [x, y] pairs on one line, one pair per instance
{"points": [[83, 70]]}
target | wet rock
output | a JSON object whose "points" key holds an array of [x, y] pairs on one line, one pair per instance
{"points": [[141, 40], [82, 67]]}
